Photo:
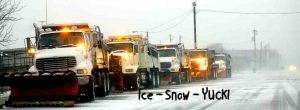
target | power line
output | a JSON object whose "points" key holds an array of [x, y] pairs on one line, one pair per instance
{"points": [[261, 13], [177, 17], [174, 25]]}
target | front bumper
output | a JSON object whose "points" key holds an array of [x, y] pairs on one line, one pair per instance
{"points": [[198, 73]]}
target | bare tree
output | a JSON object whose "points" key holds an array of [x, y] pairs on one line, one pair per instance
{"points": [[7, 10]]}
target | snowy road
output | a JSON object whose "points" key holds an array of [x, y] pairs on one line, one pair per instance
{"points": [[248, 91]]}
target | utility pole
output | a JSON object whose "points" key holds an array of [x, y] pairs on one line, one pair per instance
{"points": [[261, 55], [147, 36], [147, 33], [195, 38], [46, 11], [170, 38], [42, 22], [254, 43], [179, 38]]}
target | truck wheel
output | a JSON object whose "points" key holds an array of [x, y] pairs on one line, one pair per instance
{"points": [[189, 77], [157, 79], [90, 90], [184, 77], [107, 84], [178, 79], [101, 89], [226, 73], [137, 82], [153, 82], [151, 79], [229, 73], [215, 75]]}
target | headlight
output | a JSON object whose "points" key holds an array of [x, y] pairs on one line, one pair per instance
{"points": [[31, 51], [174, 69], [82, 71], [81, 47], [129, 70], [203, 67], [202, 63]]}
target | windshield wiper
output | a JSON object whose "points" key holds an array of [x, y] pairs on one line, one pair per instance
{"points": [[67, 45]]}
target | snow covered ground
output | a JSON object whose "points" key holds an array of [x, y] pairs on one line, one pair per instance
{"points": [[248, 91]]}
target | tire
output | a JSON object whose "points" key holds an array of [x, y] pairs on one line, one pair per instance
{"points": [[157, 79], [229, 73], [189, 77], [185, 77], [205, 78], [178, 79], [136, 82], [107, 84], [90, 92], [102, 85], [215, 75], [150, 81]]}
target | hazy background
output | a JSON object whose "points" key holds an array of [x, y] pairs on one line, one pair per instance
{"points": [[117, 17]]}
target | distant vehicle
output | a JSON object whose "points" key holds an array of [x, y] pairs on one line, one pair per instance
{"points": [[70, 62], [134, 62], [174, 62], [202, 64], [223, 60]]}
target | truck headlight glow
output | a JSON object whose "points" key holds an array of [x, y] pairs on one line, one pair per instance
{"points": [[31, 51], [81, 47], [82, 71], [292, 68], [174, 69], [202, 63]]}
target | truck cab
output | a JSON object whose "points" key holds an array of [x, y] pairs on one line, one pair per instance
{"points": [[174, 62], [134, 62], [199, 63], [202, 64], [223, 60]]}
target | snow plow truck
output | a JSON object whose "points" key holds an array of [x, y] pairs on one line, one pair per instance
{"points": [[70, 64], [134, 63]]}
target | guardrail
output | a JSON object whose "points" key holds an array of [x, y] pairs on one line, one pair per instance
{"points": [[14, 60]]}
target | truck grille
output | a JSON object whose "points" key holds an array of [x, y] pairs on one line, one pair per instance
{"points": [[195, 65], [115, 63], [165, 65], [47, 64]]}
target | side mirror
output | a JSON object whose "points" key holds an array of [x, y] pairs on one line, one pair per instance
{"points": [[95, 45], [28, 43], [149, 51]]}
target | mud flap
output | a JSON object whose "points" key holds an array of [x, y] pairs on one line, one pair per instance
{"points": [[117, 84]]}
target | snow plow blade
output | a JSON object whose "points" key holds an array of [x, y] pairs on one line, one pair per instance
{"points": [[44, 89]]}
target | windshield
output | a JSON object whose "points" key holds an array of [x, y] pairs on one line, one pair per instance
{"points": [[218, 58], [198, 54], [64, 39], [167, 53], [121, 46]]}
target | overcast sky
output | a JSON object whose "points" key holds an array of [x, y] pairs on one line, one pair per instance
{"points": [[117, 17]]}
